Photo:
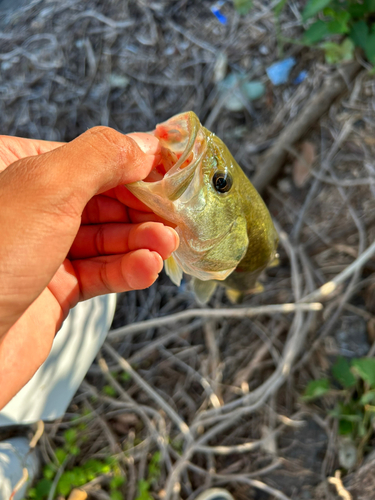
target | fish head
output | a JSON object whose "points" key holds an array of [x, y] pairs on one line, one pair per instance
{"points": [[202, 190]]}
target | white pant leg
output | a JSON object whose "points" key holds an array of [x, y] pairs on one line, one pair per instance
{"points": [[14, 457], [47, 395]]}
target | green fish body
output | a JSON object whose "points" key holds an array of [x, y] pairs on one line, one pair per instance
{"points": [[227, 236]]}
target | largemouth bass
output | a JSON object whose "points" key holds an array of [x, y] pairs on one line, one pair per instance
{"points": [[226, 232]]}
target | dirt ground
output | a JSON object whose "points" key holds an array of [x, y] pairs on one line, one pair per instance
{"points": [[218, 396]]}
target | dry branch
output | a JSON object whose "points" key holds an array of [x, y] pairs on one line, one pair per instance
{"points": [[241, 312], [328, 288], [314, 109]]}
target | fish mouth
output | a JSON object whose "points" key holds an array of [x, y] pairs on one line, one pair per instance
{"points": [[183, 146]]}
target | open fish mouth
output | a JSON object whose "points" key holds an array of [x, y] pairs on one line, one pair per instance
{"points": [[183, 145]]}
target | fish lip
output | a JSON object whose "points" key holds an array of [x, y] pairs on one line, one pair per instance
{"points": [[195, 128], [196, 145], [165, 196], [192, 128]]}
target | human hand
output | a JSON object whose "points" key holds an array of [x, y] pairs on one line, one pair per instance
{"points": [[66, 236]]}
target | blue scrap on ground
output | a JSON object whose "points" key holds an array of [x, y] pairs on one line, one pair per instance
{"points": [[215, 9], [279, 71], [302, 75]]}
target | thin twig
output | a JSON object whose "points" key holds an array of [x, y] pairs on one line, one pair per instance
{"points": [[328, 288], [343, 182], [341, 490], [196, 375], [183, 427], [38, 434], [255, 483], [20, 483], [240, 312], [227, 415]]}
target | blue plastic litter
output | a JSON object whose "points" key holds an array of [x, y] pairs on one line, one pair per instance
{"points": [[278, 72], [219, 15], [300, 77], [215, 9]]}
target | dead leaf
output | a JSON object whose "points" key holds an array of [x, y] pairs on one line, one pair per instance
{"points": [[371, 330], [370, 298], [303, 164], [122, 424], [77, 494]]}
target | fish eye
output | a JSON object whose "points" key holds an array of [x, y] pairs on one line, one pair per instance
{"points": [[222, 182]]}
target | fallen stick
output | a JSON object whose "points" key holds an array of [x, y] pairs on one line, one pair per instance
{"points": [[319, 103], [240, 312], [325, 290]]}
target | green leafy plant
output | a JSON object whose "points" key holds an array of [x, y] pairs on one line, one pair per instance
{"points": [[351, 20], [316, 389], [336, 26], [124, 376], [243, 6], [76, 476], [144, 490], [154, 467], [109, 391], [355, 401], [153, 474]]}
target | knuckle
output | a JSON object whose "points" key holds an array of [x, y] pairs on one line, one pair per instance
{"points": [[101, 131], [99, 241], [105, 139], [104, 278], [105, 135]]}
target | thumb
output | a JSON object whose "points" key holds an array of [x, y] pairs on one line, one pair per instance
{"points": [[69, 176]]}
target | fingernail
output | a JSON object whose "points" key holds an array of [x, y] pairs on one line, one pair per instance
{"points": [[149, 162], [159, 260], [148, 143], [175, 236]]}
